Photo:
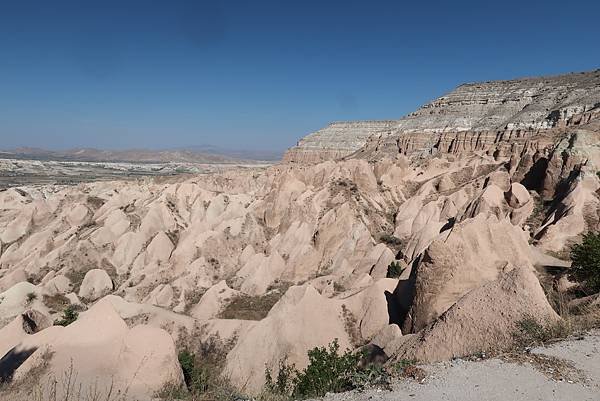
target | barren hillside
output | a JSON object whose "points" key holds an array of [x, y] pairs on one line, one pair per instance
{"points": [[427, 239]]}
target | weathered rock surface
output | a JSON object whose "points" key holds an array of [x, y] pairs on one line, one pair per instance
{"points": [[485, 116], [465, 196], [96, 284], [97, 354], [335, 141], [464, 258], [495, 117], [302, 320], [484, 320]]}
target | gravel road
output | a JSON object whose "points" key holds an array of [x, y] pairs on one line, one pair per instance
{"points": [[575, 376]]}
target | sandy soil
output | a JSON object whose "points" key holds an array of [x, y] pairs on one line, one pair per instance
{"points": [[496, 379]]}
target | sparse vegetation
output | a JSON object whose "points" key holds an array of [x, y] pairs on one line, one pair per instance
{"points": [[248, 307], [69, 315], [530, 332], [390, 239], [214, 262], [408, 368], [577, 315], [174, 236], [394, 270], [351, 326], [202, 369], [537, 216], [346, 184], [56, 302], [66, 387], [279, 286], [31, 296], [328, 371], [586, 261], [402, 364], [95, 202], [192, 297], [195, 377], [76, 277], [282, 386], [337, 287], [371, 375]]}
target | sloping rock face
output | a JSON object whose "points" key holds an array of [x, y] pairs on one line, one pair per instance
{"points": [[98, 355], [483, 320], [516, 104], [473, 253], [304, 319], [335, 141]]}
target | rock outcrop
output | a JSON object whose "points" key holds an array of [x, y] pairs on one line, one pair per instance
{"points": [[302, 320], [494, 117], [488, 116], [96, 284], [484, 320], [97, 355], [335, 141], [464, 258]]}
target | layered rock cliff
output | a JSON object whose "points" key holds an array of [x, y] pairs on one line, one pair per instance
{"points": [[493, 116], [489, 116], [335, 141]]}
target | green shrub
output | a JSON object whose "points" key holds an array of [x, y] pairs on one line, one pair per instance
{"points": [[56, 302], [186, 361], [283, 385], [31, 296], [402, 364], [390, 239], [195, 375], [370, 375], [394, 270], [68, 317], [328, 371], [586, 261], [202, 374]]}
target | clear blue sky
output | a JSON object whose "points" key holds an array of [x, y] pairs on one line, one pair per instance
{"points": [[260, 74]]}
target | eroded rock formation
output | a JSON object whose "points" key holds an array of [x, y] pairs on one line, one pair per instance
{"points": [[466, 196], [335, 141]]}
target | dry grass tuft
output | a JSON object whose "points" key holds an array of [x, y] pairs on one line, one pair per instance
{"points": [[554, 368], [56, 303], [65, 388], [246, 307]]}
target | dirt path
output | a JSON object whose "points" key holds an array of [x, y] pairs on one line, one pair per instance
{"points": [[575, 376]]}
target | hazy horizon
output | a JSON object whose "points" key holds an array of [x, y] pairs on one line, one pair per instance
{"points": [[259, 76], [202, 148]]}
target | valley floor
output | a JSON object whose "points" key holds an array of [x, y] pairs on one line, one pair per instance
{"points": [[25, 172], [574, 377]]}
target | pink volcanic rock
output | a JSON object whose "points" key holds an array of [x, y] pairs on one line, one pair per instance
{"points": [[485, 319], [101, 353]]}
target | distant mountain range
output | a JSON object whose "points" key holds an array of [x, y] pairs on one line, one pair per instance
{"points": [[193, 154]]}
